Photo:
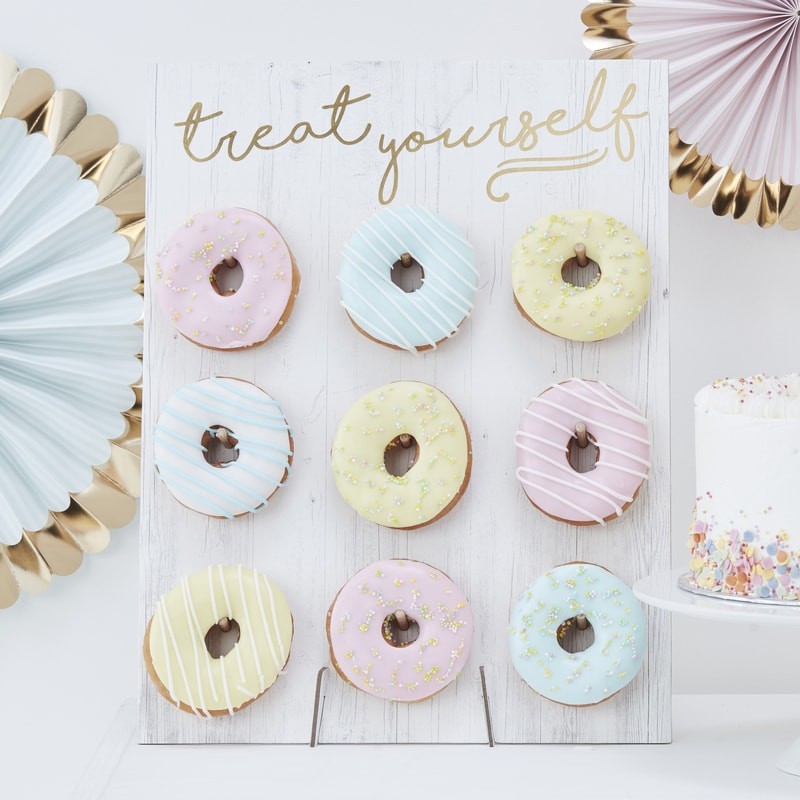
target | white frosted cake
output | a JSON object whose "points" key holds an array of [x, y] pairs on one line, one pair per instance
{"points": [[745, 537]]}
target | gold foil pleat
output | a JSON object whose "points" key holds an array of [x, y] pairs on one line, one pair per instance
{"points": [[94, 136], [57, 547], [29, 94], [707, 184], [110, 500], [62, 112]]}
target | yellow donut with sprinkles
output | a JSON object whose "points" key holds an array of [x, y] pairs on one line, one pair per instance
{"points": [[610, 301], [402, 415]]}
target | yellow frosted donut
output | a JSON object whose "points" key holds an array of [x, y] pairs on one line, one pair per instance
{"points": [[381, 420], [590, 313], [176, 649]]}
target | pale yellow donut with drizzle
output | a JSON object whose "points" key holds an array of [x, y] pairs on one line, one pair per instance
{"points": [[175, 651], [603, 308]]}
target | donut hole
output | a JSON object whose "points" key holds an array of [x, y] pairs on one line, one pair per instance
{"points": [[221, 446], [407, 274], [395, 635], [401, 454], [576, 275], [583, 459], [227, 277], [219, 641], [572, 637]]}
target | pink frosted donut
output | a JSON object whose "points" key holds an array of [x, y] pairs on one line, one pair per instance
{"points": [[367, 648], [548, 431], [187, 285]]}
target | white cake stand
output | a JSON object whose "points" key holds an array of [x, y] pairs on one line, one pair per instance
{"points": [[661, 590]]}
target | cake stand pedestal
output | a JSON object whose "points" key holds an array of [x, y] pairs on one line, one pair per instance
{"points": [[661, 590]]}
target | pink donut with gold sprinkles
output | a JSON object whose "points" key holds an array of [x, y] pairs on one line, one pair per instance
{"points": [[400, 630], [196, 279]]}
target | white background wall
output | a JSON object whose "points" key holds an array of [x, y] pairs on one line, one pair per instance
{"points": [[71, 656]]}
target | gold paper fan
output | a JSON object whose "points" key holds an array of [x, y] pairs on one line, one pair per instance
{"points": [[71, 270], [734, 96]]}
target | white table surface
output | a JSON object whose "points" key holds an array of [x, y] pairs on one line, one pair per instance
{"points": [[724, 747]]}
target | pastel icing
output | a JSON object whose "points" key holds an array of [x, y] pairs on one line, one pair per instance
{"points": [[609, 664], [183, 273], [363, 655], [175, 649], [617, 429], [745, 534], [408, 320], [606, 306], [433, 484], [264, 445]]}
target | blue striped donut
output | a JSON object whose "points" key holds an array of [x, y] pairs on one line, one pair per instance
{"points": [[254, 420], [417, 320]]}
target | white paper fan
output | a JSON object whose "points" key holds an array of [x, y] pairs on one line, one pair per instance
{"points": [[734, 95], [69, 341]]}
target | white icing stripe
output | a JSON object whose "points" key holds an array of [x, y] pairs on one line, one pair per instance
{"points": [[217, 616], [441, 260], [619, 468], [596, 404], [181, 666], [390, 296], [398, 339], [170, 680], [541, 440], [622, 401], [197, 673], [553, 479], [606, 447], [201, 635], [249, 624], [266, 624], [429, 221], [431, 287], [372, 272], [577, 477], [229, 614], [413, 320], [400, 244], [282, 661], [558, 497], [589, 421]]}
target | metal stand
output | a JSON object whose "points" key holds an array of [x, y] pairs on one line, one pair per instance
{"points": [[314, 739]]}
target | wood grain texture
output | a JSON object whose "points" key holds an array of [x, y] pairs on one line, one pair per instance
{"points": [[494, 542]]}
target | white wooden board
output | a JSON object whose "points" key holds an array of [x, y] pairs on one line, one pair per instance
{"points": [[494, 542]]}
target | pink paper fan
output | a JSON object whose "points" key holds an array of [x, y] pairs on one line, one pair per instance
{"points": [[734, 90]]}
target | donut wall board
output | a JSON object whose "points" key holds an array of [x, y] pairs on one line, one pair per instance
{"points": [[492, 146]]}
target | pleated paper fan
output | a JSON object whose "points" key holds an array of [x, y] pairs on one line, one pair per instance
{"points": [[71, 241], [734, 70]]}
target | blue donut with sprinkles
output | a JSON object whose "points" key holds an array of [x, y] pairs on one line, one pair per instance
{"points": [[420, 319], [577, 593]]}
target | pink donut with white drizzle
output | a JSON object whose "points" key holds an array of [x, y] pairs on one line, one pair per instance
{"points": [[557, 421], [190, 276], [400, 630]]}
